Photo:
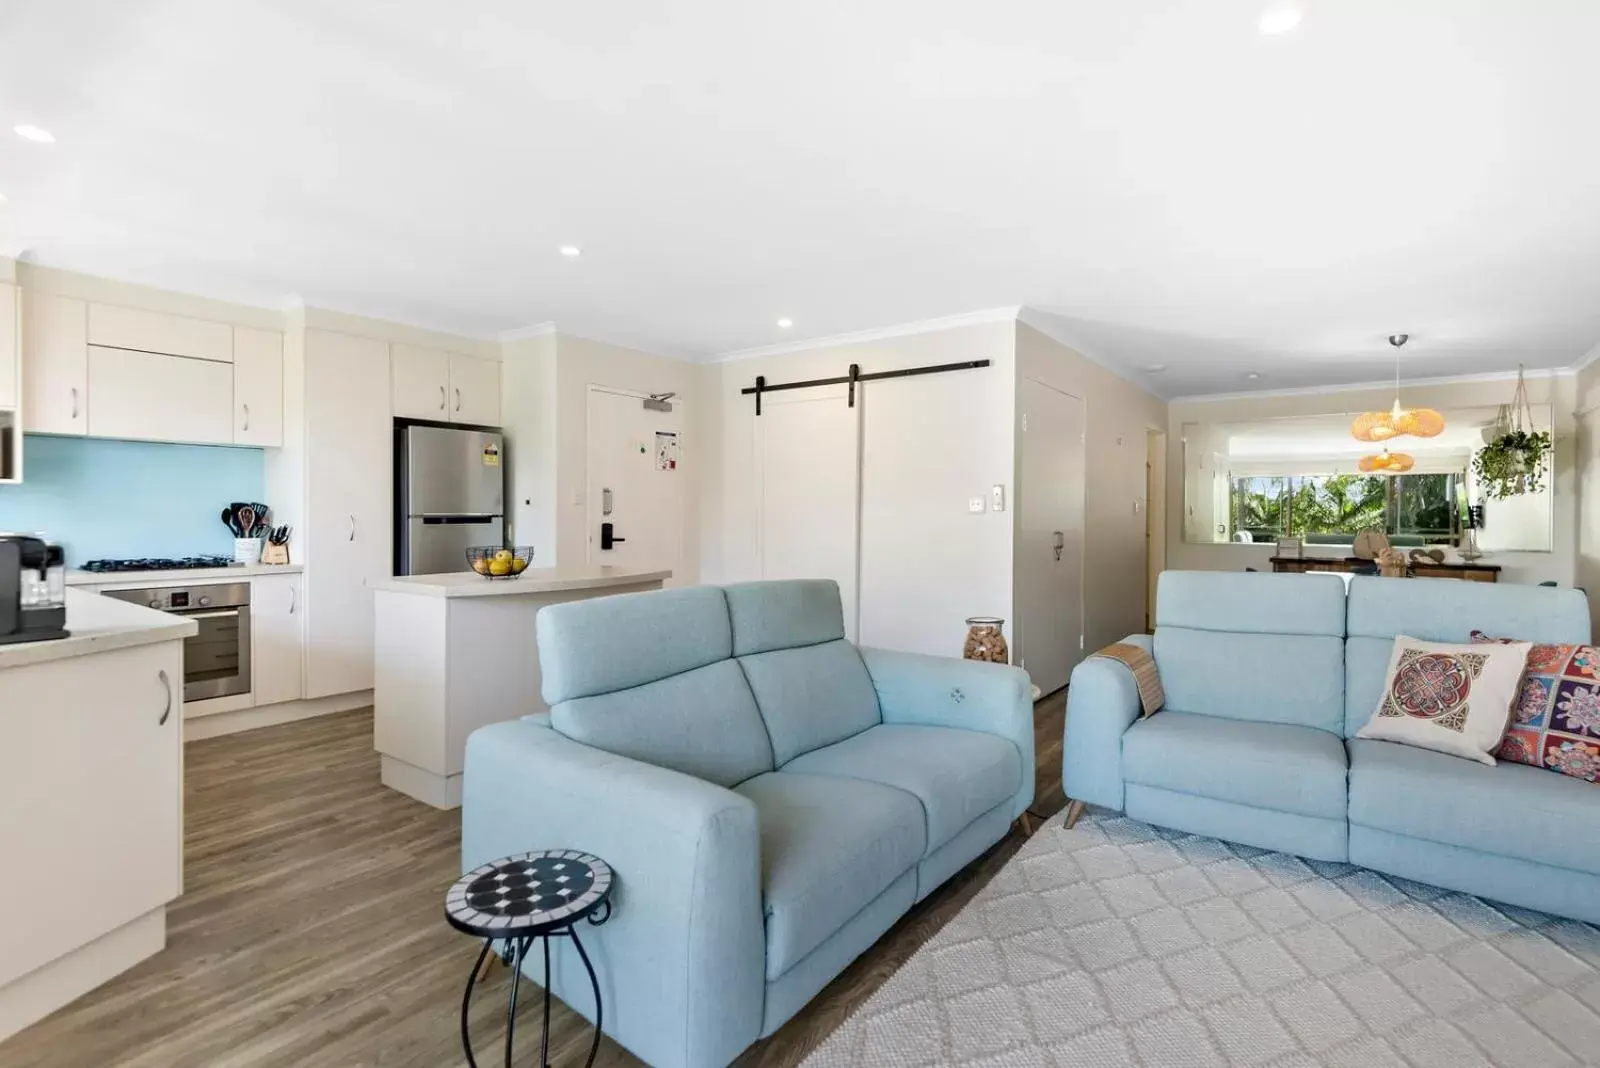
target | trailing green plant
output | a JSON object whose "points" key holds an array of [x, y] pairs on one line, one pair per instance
{"points": [[1514, 464]]}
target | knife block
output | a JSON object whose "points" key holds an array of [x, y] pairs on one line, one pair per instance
{"points": [[275, 554]]}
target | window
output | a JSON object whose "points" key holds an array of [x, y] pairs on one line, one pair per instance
{"points": [[1412, 509]]}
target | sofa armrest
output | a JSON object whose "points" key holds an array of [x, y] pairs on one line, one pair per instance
{"points": [[682, 960], [943, 691], [1102, 703]]}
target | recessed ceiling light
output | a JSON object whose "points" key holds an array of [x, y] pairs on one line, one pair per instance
{"points": [[35, 133], [1155, 368], [571, 252], [784, 324], [1252, 375], [1276, 20]]}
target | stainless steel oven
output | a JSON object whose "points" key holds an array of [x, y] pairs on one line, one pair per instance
{"points": [[216, 661]]}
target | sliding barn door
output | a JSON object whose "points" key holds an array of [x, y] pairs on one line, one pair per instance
{"points": [[808, 479]]}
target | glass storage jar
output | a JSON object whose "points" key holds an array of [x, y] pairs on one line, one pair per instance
{"points": [[986, 640]]}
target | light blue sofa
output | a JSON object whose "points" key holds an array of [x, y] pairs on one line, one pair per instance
{"points": [[1268, 678], [772, 798]]}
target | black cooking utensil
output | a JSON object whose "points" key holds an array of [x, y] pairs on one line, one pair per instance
{"points": [[227, 521]]}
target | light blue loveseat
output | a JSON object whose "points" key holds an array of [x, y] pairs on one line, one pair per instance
{"points": [[1268, 678], [772, 798]]}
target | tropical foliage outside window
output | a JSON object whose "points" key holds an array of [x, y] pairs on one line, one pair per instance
{"points": [[1414, 508]]}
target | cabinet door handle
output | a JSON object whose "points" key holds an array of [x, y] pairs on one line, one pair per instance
{"points": [[458, 400], [74, 402], [352, 528], [166, 682], [441, 398], [247, 417], [294, 599]]}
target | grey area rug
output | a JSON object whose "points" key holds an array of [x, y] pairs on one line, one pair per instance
{"points": [[1117, 943]]}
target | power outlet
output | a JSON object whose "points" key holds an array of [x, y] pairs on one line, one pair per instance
{"points": [[975, 506]]}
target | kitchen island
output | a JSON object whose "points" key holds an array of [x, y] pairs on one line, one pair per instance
{"points": [[455, 652], [91, 802]]}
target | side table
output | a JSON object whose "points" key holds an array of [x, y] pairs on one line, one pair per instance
{"points": [[517, 899]]}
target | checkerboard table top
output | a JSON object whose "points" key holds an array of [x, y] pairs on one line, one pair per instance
{"points": [[528, 893]]}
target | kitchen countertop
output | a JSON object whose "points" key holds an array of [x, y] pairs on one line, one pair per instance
{"points": [[99, 625], [533, 580], [178, 577]]}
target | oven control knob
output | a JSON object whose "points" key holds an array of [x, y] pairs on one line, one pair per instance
{"points": [[155, 604], [204, 601]]}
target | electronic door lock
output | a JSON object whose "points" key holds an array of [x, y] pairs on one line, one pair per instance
{"points": [[608, 536]]}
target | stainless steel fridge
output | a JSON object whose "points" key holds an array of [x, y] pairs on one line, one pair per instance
{"points": [[449, 495]]}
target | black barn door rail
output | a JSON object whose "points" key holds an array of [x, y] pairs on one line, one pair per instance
{"points": [[853, 377]]}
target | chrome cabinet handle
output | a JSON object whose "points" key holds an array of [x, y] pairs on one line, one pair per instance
{"points": [[458, 400], [352, 527], [294, 599], [247, 417], [441, 398], [74, 402], [162, 722]]}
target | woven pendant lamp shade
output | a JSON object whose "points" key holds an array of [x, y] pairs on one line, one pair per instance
{"points": [[1373, 426], [1387, 463], [1382, 426]]}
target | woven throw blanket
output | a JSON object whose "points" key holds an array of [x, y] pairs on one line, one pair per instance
{"points": [[1143, 666]]}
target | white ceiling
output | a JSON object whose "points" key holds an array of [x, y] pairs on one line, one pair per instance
{"points": [[1166, 183]]}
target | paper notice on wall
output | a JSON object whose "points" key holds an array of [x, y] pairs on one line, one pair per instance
{"points": [[666, 450]]}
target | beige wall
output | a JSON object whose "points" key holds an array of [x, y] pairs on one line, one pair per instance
{"points": [[1587, 449], [1559, 391], [528, 413], [1120, 416]]}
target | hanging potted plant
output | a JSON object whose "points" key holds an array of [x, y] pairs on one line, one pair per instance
{"points": [[1513, 462]]}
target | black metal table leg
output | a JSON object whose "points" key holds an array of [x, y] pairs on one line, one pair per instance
{"points": [[599, 1011], [519, 954], [466, 1001]]}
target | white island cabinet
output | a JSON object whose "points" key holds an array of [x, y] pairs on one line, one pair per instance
{"points": [[91, 802], [456, 652]]}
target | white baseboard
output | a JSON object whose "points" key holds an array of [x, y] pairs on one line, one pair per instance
{"points": [[249, 719], [440, 791], [65, 979]]}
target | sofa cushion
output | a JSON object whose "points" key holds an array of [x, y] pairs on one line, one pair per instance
{"points": [[1555, 723], [612, 643], [1267, 765], [957, 775], [812, 696], [1261, 647], [829, 846], [784, 614], [703, 723], [1512, 809]]}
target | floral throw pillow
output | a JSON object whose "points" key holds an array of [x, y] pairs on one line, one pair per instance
{"points": [[1555, 723], [1453, 699]]}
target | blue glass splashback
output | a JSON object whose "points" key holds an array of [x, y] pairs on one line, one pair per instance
{"points": [[102, 499]]}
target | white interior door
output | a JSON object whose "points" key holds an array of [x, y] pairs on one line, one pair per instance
{"points": [[635, 481], [1050, 528], [808, 483]]}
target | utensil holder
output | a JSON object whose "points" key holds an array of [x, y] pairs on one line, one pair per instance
{"points": [[247, 550]]}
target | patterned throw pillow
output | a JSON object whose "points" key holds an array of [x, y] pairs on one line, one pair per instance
{"points": [[1556, 721], [1453, 699]]}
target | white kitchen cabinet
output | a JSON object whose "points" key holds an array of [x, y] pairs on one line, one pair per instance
{"points": [[276, 650], [148, 331], [93, 795], [420, 382], [257, 386], [474, 390], [348, 531], [149, 397], [55, 364], [10, 391]]}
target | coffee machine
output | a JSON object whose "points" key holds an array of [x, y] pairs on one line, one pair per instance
{"points": [[33, 590]]}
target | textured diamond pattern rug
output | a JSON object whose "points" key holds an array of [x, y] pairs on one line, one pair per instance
{"points": [[1118, 943]]}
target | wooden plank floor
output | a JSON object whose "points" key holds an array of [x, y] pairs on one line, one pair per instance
{"points": [[310, 932]]}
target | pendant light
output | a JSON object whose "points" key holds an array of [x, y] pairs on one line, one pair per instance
{"points": [[1387, 463], [1381, 426]]}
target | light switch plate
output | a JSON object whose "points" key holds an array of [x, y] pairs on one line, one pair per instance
{"points": [[997, 498], [975, 505]]}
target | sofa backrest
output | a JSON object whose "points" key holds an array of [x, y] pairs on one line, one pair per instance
{"points": [[1444, 610], [1253, 646], [809, 682], [650, 676]]}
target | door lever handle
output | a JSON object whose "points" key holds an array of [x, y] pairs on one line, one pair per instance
{"points": [[608, 536]]}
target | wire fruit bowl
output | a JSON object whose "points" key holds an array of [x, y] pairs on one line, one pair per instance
{"points": [[497, 562]]}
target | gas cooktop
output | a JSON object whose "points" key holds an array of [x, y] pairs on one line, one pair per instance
{"points": [[187, 563]]}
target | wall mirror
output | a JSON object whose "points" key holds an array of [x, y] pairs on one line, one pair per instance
{"points": [[1256, 481]]}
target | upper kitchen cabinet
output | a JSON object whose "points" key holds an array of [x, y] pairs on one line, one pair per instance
{"points": [[10, 391], [147, 396], [257, 386], [148, 331], [420, 382], [474, 390], [55, 364]]}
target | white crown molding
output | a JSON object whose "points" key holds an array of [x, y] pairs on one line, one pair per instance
{"points": [[525, 333], [1351, 387], [1050, 327], [1586, 359], [860, 337]]}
